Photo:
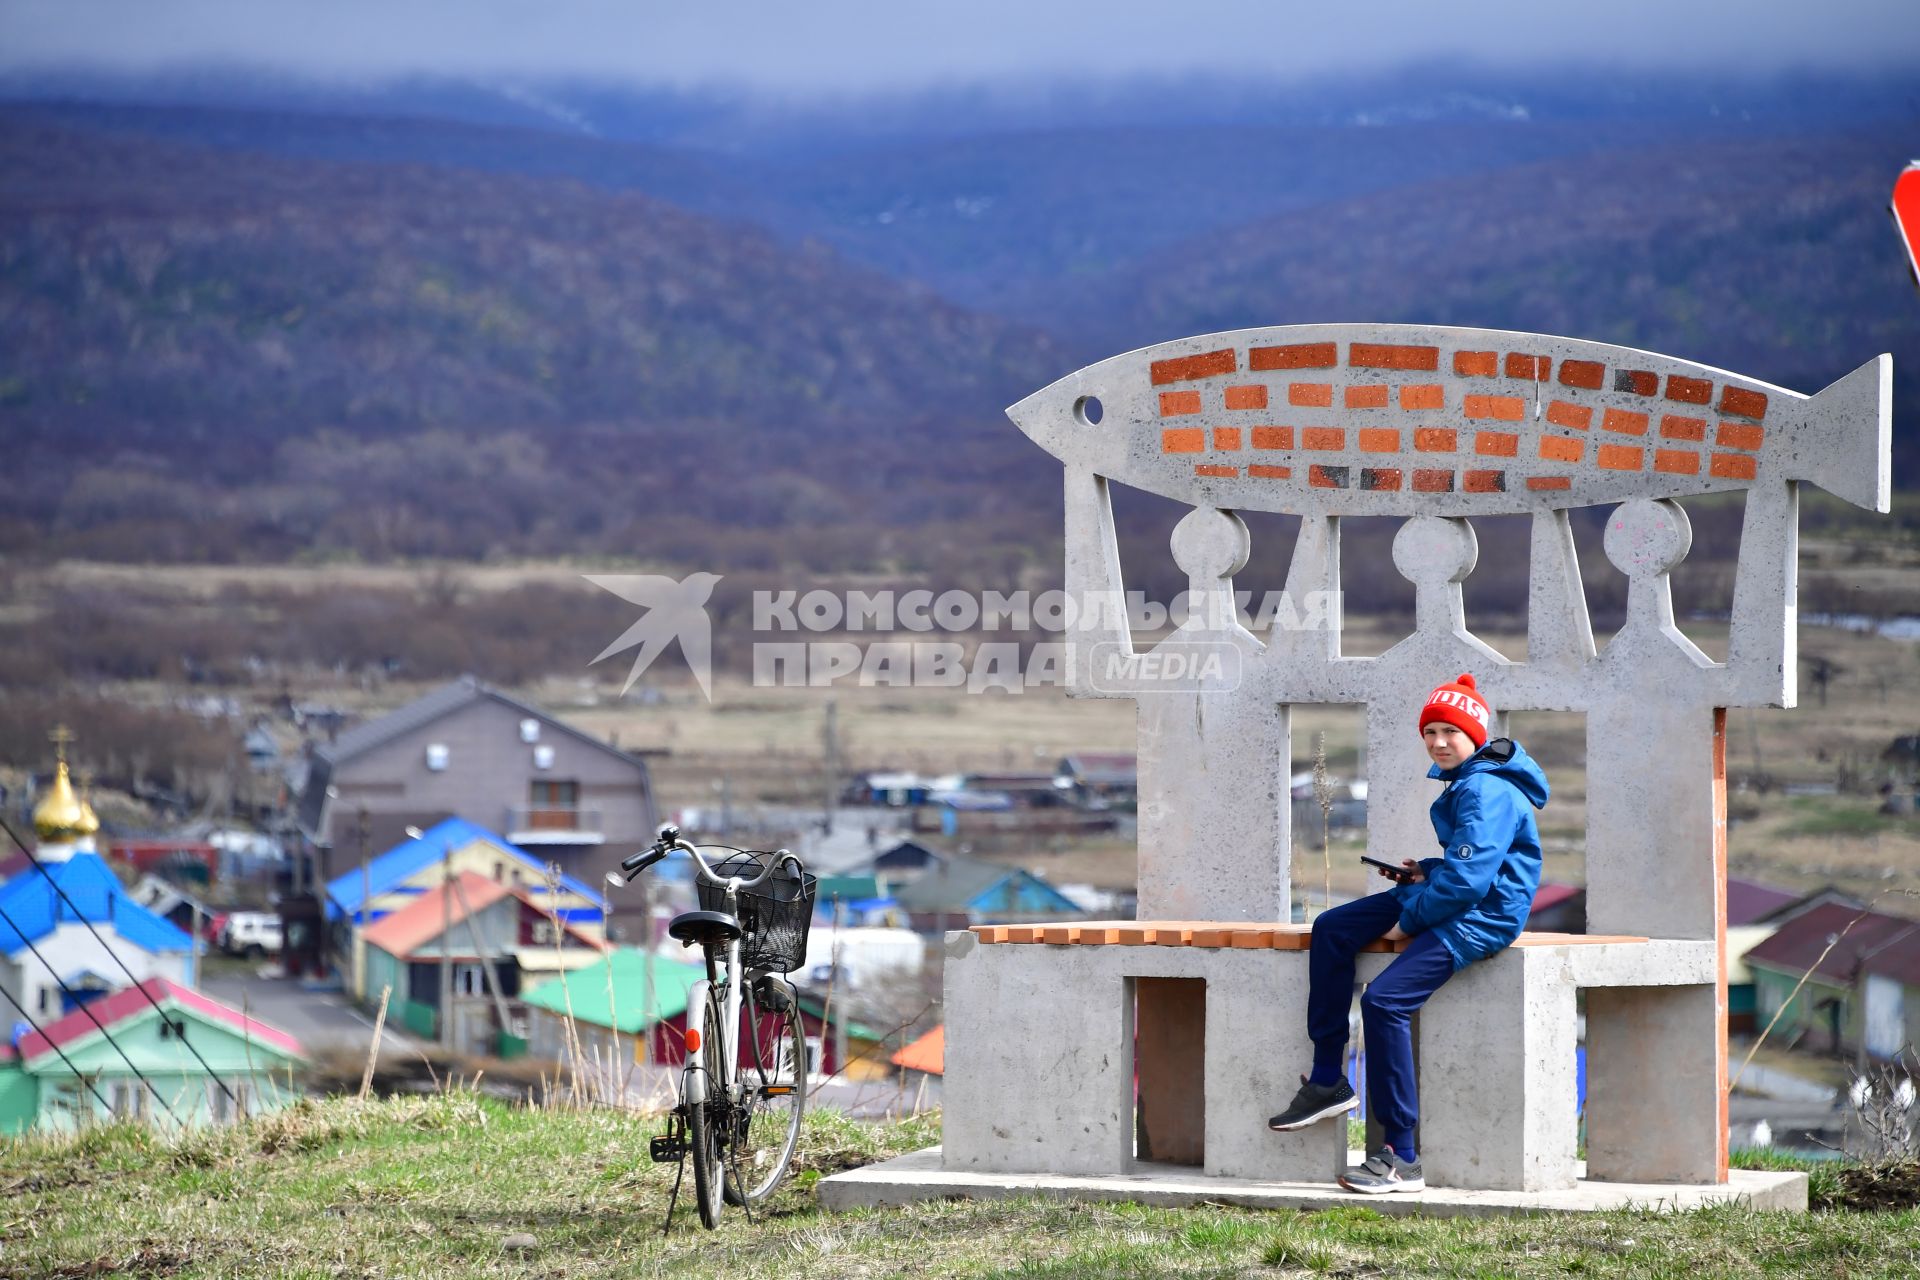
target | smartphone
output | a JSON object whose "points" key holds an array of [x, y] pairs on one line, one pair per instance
{"points": [[1392, 870]]}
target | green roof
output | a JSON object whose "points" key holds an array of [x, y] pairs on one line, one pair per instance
{"points": [[587, 990]]}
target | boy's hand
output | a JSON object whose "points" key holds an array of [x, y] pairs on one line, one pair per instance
{"points": [[1414, 874], [1396, 934]]}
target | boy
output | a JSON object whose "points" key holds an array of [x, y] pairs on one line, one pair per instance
{"points": [[1460, 907]]}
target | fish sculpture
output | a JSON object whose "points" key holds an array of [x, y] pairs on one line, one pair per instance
{"points": [[1404, 419]]}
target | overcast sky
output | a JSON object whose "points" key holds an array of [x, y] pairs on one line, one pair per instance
{"points": [[890, 44]]}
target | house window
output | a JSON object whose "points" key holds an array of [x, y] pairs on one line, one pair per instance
{"points": [[553, 806], [543, 757], [529, 730], [437, 756], [468, 980]]}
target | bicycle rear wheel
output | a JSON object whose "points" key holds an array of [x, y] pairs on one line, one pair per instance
{"points": [[773, 1079], [707, 1123]]}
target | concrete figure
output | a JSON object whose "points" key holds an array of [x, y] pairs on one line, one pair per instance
{"points": [[1434, 425]]}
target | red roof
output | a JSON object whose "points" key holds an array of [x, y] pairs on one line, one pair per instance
{"points": [[125, 1004], [423, 919], [1552, 895], [928, 1053], [1748, 902], [1879, 944]]}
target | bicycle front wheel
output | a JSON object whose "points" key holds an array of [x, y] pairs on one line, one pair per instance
{"points": [[707, 1123], [773, 1079]]}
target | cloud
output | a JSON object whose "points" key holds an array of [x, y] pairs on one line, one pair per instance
{"points": [[895, 44]]}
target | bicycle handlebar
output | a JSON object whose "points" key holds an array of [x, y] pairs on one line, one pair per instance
{"points": [[670, 840]]}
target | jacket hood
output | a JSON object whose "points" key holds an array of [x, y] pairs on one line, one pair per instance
{"points": [[1507, 759]]}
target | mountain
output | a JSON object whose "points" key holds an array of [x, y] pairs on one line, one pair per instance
{"points": [[1772, 257]]}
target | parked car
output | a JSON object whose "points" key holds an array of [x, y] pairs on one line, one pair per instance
{"points": [[253, 934]]}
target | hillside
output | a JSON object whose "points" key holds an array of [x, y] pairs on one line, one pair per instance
{"points": [[1771, 257], [452, 1185], [287, 333]]}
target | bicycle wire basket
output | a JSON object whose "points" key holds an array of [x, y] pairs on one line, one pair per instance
{"points": [[774, 916]]}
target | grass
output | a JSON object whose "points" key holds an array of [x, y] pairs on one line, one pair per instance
{"points": [[434, 1186]]}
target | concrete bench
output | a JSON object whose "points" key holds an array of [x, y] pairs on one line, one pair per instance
{"points": [[1050, 1027]]}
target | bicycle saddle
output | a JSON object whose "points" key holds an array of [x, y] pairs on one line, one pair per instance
{"points": [[706, 928]]}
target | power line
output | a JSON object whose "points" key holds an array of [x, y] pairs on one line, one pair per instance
{"points": [[78, 915], [78, 1074], [92, 1017]]}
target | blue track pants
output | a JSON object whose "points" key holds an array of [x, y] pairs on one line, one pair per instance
{"points": [[1386, 1007]]}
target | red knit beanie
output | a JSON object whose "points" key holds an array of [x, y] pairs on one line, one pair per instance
{"points": [[1460, 705]]}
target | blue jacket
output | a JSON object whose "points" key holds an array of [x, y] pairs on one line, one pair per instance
{"points": [[1478, 893]]}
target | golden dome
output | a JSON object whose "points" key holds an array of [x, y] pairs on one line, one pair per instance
{"points": [[63, 816]]}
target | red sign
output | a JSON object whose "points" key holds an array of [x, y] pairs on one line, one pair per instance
{"points": [[1906, 213]]}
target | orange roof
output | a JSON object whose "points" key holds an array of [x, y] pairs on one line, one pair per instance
{"points": [[423, 919], [928, 1053]]}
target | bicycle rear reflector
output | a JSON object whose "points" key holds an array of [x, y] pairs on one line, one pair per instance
{"points": [[693, 1040]]}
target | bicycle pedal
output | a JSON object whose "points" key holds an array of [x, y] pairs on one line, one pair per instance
{"points": [[668, 1149]]}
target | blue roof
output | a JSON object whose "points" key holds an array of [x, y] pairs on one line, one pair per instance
{"points": [[386, 872], [35, 908]]}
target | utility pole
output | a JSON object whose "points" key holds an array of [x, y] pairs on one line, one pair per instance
{"points": [[366, 908], [647, 1001], [830, 748], [446, 943]]}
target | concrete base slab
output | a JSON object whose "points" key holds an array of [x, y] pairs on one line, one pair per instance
{"points": [[912, 1178]]}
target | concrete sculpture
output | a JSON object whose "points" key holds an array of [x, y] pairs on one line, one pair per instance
{"points": [[1045, 1042]]}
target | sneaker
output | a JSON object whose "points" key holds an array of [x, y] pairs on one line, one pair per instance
{"points": [[1314, 1103], [1383, 1171]]}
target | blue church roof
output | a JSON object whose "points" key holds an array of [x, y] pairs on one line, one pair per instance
{"points": [[35, 909], [346, 892]]}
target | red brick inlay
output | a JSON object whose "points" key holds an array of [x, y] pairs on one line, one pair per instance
{"points": [[1379, 440], [1182, 368], [1476, 364], [1505, 408], [1273, 437], [1251, 396], [1174, 404], [1379, 477], [1681, 462], [1532, 368], [1636, 382], [1484, 481], [1621, 457], [1561, 449], [1261, 471], [1304, 355], [1562, 414], [1498, 444], [1739, 435], [1182, 440], [1626, 423], [1327, 477], [1423, 395], [1549, 482], [1314, 395], [1323, 438], [1206, 470], [1226, 437], [1382, 355], [1732, 466], [1433, 482], [1675, 427], [1588, 375], [1372, 395], [1742, 403], [1689, 390], [1435, 439]]}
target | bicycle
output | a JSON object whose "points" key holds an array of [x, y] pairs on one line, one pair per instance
{"points": [[743, 1087]]}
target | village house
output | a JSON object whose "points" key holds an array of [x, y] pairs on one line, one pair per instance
{"points": [[1862, 988], [396, 879], [959, 892], [240, 1068], [471, 751], [491, 937]]}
